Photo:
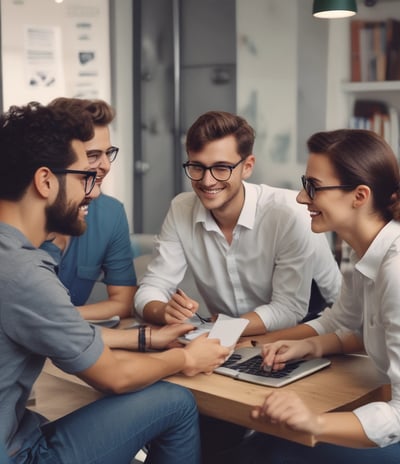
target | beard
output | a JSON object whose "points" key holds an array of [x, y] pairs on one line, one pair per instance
{"points": [[64, 218]]}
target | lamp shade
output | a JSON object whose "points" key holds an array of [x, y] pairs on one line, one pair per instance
{"points": [[334, 8]]}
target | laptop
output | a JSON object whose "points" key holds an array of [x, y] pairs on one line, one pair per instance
{"points": [[245, 364]]}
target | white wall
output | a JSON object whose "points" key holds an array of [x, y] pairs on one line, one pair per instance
{"points": [[119, 183], [267, 85], [281, 90]]}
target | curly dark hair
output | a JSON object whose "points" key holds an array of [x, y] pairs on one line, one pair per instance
{"points": [[33, 136]]}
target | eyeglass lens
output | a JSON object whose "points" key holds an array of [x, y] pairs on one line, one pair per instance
{"points": [[220, 172], [308, 187], [95, 155], [90, 182], [89, 177]]}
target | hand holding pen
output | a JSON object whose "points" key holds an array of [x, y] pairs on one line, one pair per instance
{"points": [[180, 308]]}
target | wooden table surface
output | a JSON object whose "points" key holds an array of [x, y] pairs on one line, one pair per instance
{"points": [[350, 381]]}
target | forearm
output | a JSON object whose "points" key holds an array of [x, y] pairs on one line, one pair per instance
{"points": [[297, 332], [126, 371], [321, 345], [255, 326], [125, 339], [153, 366], [119, 303], [343, 429]]}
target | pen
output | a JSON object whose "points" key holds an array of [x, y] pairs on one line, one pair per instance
{"points": [[202, 319], [182, 293]]}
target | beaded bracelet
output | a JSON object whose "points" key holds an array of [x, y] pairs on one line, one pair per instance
{"points": [[142, 338]]}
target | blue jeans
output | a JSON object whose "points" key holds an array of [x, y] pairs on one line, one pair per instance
{"points": [[112, 430], [265, 449]]}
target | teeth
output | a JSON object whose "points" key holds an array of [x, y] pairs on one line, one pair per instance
{"points": [[212, 191], [84, 207]]}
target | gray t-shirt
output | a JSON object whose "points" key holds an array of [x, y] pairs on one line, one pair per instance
{"points": [[37, 321]]}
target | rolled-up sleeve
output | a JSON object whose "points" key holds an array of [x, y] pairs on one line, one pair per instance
{"points": [[166, 269], [381, 421]]}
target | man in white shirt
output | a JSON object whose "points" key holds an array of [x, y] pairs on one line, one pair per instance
{"points": [[248, 246]]}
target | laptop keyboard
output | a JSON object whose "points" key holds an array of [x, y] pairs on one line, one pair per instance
{"points": [[253, 366]]}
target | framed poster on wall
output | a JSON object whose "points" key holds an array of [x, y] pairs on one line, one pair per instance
{"points": [[53, 48]]}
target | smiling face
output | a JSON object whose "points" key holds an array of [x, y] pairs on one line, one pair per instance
{"points": [[221, 197], [66, 215], [330, 210], [100, 143]]}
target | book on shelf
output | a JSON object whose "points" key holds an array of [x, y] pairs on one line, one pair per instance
{"points": [[375, 50], [393, 50], [379, 117]]}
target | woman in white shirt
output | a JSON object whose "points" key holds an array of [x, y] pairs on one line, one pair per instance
{"points": [[351, 187]]}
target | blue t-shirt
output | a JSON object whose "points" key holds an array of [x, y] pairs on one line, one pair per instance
{"points": [[37, 320], [104, 249]]}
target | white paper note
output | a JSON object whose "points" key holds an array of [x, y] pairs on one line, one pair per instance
{"points": [[228, 329]]}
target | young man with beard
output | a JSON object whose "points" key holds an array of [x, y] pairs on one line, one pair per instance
{"points": [[248, 246], [105, 247], [44, 180]]}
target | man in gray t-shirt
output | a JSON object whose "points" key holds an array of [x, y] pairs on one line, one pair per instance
{"points": [[44, 183]]}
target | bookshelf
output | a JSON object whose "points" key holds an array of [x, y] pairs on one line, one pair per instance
{"points": [[385, 92], [372, 87]]}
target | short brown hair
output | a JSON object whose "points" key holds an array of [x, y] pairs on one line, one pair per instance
{"points": [[101, 112], [215, 125]]}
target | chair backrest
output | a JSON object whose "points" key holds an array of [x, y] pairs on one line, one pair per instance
{"points": [[317, 303]]}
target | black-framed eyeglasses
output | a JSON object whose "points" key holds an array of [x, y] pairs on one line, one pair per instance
{"points": [[89, 177], [310, 188], [220, 172], [95, 155]]}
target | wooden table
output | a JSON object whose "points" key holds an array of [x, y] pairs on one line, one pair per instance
{"points": [[349, 382]]}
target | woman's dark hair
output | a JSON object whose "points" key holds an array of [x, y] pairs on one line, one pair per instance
{"points": [[215, 125], [361, 157], [34, 136]]}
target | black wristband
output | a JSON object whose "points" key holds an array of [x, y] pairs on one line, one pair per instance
{"points": [[142, 338]]}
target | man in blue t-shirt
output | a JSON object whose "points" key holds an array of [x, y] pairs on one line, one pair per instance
{"points": [[104, 250]]}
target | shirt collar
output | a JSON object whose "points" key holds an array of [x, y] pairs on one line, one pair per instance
{"points": [[370, 263], [247, 215], [16, 235]]}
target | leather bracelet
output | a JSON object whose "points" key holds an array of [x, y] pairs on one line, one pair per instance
{"points": [[142, 338]]}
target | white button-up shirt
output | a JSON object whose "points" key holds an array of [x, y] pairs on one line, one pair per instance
{"points": [[369, 305], [267, 268]]}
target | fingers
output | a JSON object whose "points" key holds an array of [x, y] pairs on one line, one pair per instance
{"points": [[284, 408], [180, 307], [274, 357], [183, 300], [204, 355]]}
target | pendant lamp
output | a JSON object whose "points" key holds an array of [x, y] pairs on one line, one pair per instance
{"points": [[334, 8]]}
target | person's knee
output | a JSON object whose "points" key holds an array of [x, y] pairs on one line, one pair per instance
{"points": [[180, 397]]}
